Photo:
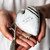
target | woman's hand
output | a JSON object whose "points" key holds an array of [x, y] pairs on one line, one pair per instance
{"points": [[18, 47], [42, 31], [41, 34], [6, 19], [5, 22]]}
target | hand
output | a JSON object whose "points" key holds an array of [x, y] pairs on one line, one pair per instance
{"points": [[41, 34], [6, 19], [18, 47], [22, 39]]}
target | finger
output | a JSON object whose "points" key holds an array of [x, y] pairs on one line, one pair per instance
{"points": [[23, 34], [7, 34], [22, 43], [24, 48], [32, 39], [19, 48], [26, 40], [42, 32]]}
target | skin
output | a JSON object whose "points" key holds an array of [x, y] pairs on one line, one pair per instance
{"points": [[8, 17], [44, 13]]}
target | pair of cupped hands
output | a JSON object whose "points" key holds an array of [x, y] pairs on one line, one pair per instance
{"points": [[7, 18]]}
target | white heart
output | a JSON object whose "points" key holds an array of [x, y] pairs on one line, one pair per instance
{"points": [[28, 22]]}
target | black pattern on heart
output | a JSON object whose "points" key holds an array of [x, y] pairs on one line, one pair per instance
{"points": [[33, 13], [33, 10], [36, 13]]}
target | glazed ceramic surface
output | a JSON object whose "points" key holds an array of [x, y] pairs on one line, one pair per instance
{"points": [[29, 21]]}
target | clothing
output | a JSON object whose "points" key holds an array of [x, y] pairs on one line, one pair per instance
{"points": [[14, 5]]}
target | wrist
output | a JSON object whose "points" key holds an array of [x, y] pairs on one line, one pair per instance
{"points": [[42, 11]]}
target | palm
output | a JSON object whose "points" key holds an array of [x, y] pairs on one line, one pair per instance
{"points": [[8, 18]]}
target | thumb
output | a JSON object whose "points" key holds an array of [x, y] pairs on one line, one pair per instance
{"points": [[7, 34], [40, 37], [42, 32]]}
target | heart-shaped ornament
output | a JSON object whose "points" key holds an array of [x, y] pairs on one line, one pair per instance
{"points": [[29, 21]]}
